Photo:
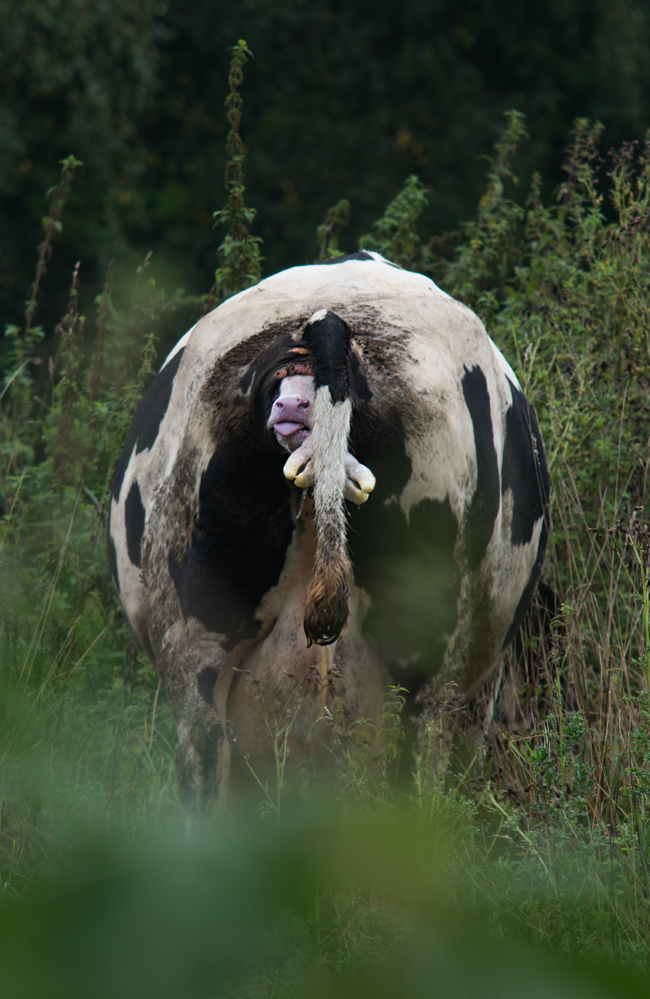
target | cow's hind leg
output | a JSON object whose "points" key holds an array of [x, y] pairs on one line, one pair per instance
{"points": [[198, 765], [193, 683], [198, 689]]}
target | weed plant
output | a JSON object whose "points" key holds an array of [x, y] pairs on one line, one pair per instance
{"points": [[534, 834]]}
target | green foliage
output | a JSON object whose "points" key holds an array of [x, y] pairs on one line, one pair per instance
{"points": [[62, 633], [61, 59], [240, 261], [395, 235], [25, 341], [346, 101], [63, 647], [563, 291], [328, 232], [243, 915], [82, 77], [491, 243]]}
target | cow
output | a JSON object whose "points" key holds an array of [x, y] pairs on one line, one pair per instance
{"points": [[333, 483]]}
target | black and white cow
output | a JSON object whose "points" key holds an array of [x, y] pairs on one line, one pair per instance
{"points": [[250, 583]]}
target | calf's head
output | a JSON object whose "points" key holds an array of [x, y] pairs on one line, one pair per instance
{"points": [[291, 413]]}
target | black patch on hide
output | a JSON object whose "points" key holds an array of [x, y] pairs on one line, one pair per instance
{"points": [[407, 568], [239, 544], [148, 417], [484, 507], [359, 387], [525, 472], [205, 683], [524, 468], [134, 517], [112, 554]]}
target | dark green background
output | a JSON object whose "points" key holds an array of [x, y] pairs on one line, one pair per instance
{"points": [[343, 99]]}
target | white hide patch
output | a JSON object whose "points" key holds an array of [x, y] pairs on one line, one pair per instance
{"points": [[151, 468], [510, 566], [132, 591], [179, 346], [316, 317]]}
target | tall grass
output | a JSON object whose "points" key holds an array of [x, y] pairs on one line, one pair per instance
{"points": [[546, 795]]}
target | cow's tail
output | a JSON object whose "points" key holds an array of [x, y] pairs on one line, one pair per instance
{"points": [[326, 604]]}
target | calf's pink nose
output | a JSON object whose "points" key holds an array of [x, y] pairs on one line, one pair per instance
{"points": [[290, 408]]}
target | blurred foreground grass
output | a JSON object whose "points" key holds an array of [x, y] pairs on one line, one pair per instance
{"points": [[335, 902]]}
